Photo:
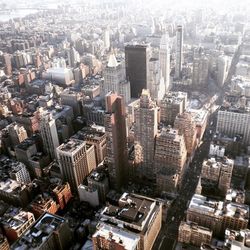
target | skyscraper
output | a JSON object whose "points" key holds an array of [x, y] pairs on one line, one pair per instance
{"points": [[200, 70], [49, 134], [145, 132], [179, 51], [115, 128], [115, 79], [137, 58], [156, 83], [75, 163], [73, 57], [164, 56], [186, 126]]}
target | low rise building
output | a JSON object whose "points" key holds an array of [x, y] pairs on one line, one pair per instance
{"points": [[43, 204], [16, 222], [49, 232], [192, 233]]}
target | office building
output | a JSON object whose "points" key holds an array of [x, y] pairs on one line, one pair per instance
{"points": [[141, 218], [186, 126], [99, 181], [228, 123], [164, 56], [88, 194], [77, 160], [200, 71], [179, 52], [15, 222], [73, 57], [49, 134], [49, 232], [192, 233], [8, 64], [73, 99], [13, 192], [223, 66], [217, 215], [137, 58], [115, 79], [115, 128], [145, 131], [111, 237], [172, 104], [94, 137], [169, 160], [156, 84], [17, 133]]}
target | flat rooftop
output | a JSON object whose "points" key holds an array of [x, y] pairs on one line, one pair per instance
{"points": [[71, 146], [39, 232], [134, 212], [122, 237]]}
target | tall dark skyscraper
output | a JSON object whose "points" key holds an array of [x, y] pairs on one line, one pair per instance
{"points": [[137, 58], [115, 127]]}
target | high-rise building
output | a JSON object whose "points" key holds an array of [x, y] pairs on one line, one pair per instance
{"points": [[76, 161], [49, 134], [164, 56], [141, 218], [169, 160], [156, 83], [223, 66], [145, 131], [73, 57], [8, 65], [17, 133], [228, 123], [115, 79], [106, 39], [173, 104], [200, 70], [186, 126], [115, 128], [179, 52], [137, 58], [217, 174]]}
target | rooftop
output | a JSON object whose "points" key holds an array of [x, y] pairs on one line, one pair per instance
{"points": [[72, 145], [134, 212], [39, 232], [122, 237]]}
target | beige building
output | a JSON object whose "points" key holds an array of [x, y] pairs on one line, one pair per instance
{"points": [[141, 218], [54, 233], [16, 222], [186, 126], [217, 172], [145, 131], [217, 215], [191, 233], [232, 122], [77, 160], [172, 104], [170, 159]]}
